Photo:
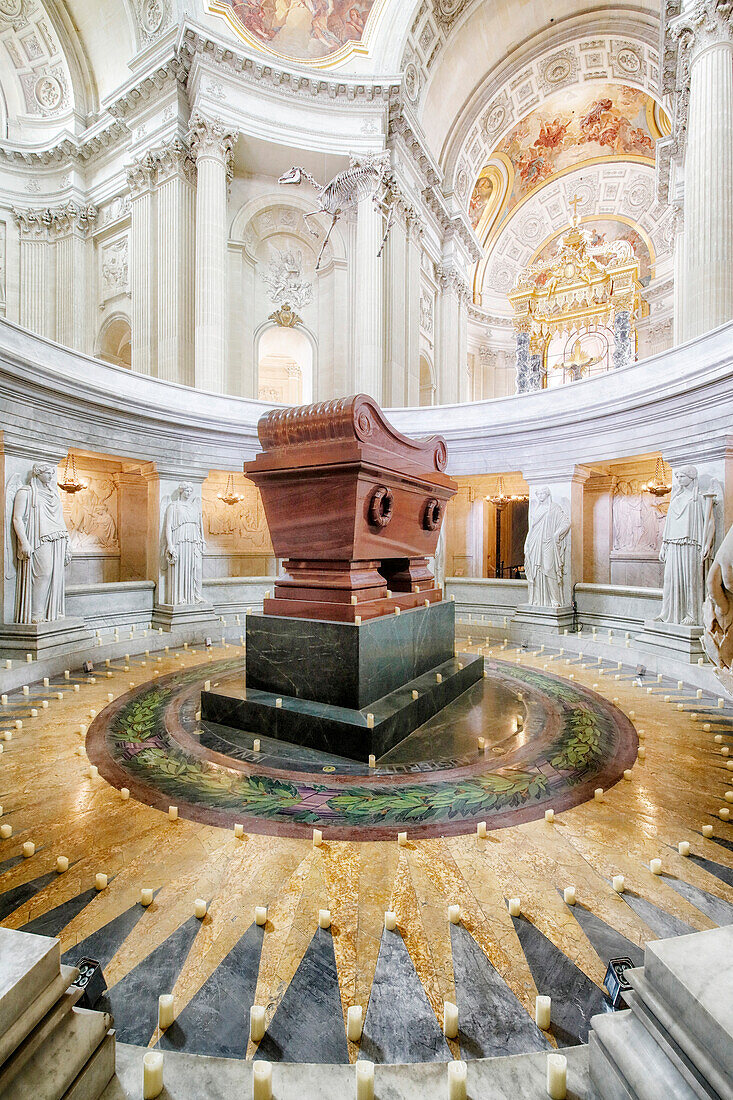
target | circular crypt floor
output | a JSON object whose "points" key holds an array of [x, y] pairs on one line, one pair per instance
{"points": [[574, 738]]}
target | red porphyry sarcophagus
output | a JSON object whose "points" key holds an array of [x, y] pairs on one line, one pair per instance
{"points": [[354, 509]]}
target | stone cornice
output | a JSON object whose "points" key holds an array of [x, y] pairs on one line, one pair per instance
{"points": [[50, 223], [68, 149], [452, 225]]}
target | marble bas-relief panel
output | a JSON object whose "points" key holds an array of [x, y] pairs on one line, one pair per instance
{"points": [[92, 518], [237, 538], [637, 525]]}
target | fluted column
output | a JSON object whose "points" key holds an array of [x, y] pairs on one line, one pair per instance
{"points": [[37, 272], [369, 306], [402, 309], [73, 276], [705, 33], [143, 298], [211, 144], [176, 262], [451, 336]]}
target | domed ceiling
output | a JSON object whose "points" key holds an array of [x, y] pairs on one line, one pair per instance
{"points": [[304, 30]]}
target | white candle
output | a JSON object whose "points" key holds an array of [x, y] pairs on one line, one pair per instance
{"points": [[146, 897], [152, 1074], [256, 1023], [641, 752], [4, 700], [100, 881], [67, 674], [6, 831], [655, 866], [62, 864], [261, 915], [262, 1080], [598, 794], [26, 689], [724, 813], [515, 907], [402, 839], [370, 721], [28, 849], [632, 714], [372, 760], [707, 830], [457, 1073], [684, 847], [619, 883], [278, 702], [721, 704], [450, 1020], [481, 743], [8, 664], [18, 723], [390, 917], [110, 696], [454, 914], [93, 771], [680, 706], [481, 830], [680, 685], [698, 693], [542, 1012], [354, 1018], [173, 813], [44, 704], [256, 745], [238, 830], [324, 918], [199, 908], [569, 895], [29, 658], [718, 739], [364, 1080], [557, 1076], [317, 838], [166, 1010], [438, 678], [357, 620], [77, 689], [550, 816]]}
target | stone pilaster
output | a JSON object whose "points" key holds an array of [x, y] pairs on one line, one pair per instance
{"points": [[143, 297], [176, 210], [703, 35], [369, 304], [402, 308], [211, 144], [451, 366]]}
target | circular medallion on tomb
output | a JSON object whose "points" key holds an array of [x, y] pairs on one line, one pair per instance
{"points": [[48, 92], [547, 743]]}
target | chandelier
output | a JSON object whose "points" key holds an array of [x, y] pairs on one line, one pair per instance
{"points": [[71, 482], [659, 485], [500, 498], [229, 496]]}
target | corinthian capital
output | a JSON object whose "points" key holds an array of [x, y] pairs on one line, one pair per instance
{"points": [[210, 137], [57, 221], [706, 23]]}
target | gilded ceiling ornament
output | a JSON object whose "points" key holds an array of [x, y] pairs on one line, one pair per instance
{"points": [[285, 316]]}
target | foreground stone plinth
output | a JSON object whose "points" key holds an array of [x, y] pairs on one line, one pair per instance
{"points": [[194, 617], [683, 643], [43, 639], [529, 620]]}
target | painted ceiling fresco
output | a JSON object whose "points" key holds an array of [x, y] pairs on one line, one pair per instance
{"points": [[304, 29], [576, 125], [603, 231]]}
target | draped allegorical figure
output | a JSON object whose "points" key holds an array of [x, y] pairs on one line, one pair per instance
{"points": [[687, 543], [544, 551], [184, 548], [718, 610], [41, 549]]}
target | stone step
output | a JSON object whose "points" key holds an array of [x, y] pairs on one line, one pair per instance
{"points": [[693, 1060], [32, 1047], [35, 1012], [96, 1074], [59, 1061], [646, 1072], [606, 1080], [693, 976], [28, 965]]}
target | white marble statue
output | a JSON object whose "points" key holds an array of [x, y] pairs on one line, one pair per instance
{"points": [[41, 549], [687, 543], [545, 550], [718, 611], [184, 548]]}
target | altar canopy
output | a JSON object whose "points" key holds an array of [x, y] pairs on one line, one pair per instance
{"points": [[576, 310]]}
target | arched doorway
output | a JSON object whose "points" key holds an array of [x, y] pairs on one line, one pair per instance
{"points": [[284, 366], [114, 345], [427, 382]]}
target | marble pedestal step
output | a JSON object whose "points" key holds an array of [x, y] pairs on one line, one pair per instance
{"points": [[626, 1063], [530, 621], [194, 1077], [342, 731], [685, 642], [43, 640]]}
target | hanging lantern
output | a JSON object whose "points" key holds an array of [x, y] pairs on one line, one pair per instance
{"points": [[71, 482], [659, 485], [500, 498], [229, 496]]}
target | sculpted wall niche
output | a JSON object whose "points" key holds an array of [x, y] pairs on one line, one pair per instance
{"points": [[237, 538], [637, 526]]}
